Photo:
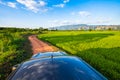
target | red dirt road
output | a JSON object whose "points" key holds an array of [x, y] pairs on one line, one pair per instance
{"points": [[40, 46]]}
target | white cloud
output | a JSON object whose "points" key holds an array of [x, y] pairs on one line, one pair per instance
{"points": [[11, 4], [42, 3], [33, 5], [30, 4], [59, 5], [84, 13], [66, 1]]}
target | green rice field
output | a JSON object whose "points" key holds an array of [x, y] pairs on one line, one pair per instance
{"points": [[101, 49]]}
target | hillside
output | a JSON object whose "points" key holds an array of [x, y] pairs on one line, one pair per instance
{"points": [[86, 27]]}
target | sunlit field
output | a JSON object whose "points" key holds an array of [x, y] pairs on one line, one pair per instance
{"points": [[101, 49]]}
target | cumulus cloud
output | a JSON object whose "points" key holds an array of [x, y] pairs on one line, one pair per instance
{"points": [[42, 3], [32, 4], [84, 13], [11, 4]]}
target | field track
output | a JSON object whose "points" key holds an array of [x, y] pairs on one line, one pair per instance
{"points": [[40, 46]]}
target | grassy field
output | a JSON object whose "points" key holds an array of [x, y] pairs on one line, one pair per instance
{"points": [[101, 49], [13, 50]]}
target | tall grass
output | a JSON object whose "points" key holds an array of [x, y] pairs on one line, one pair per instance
{"points": [[101, 49], [12, 51]]}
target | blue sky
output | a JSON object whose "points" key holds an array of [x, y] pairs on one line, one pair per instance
{"points": [[48, 13]]}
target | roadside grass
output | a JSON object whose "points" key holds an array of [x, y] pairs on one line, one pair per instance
{"points": [[14, 48], [101, 49]]}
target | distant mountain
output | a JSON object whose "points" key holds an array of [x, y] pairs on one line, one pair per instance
{"points": [[68, 27], [86, 27]]}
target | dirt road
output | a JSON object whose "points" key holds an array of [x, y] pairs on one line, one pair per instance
{"points": [[40, 46]]}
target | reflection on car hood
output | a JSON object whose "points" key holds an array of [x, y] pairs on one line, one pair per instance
{"points": [[57, 68], [48, 54]]}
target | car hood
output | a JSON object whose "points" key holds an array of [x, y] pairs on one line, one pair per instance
{"points": [[57, 68]]}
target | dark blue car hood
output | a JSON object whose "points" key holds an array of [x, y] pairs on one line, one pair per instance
{"points": [[57, 68]]}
